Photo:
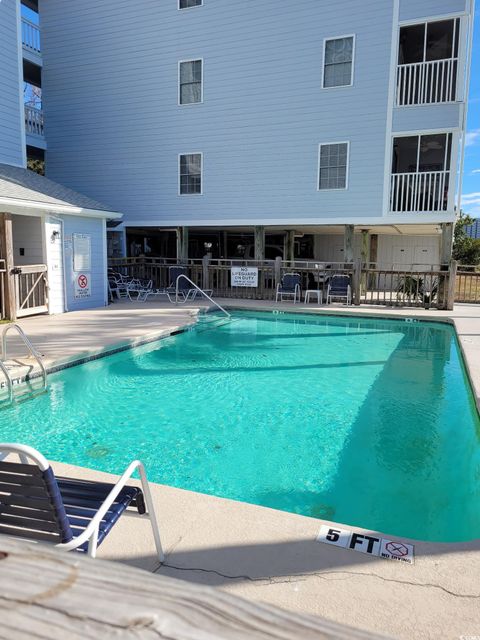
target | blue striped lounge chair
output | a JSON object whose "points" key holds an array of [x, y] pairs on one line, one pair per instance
{"points": [[339, 287], [73, 514], [289, 287]]}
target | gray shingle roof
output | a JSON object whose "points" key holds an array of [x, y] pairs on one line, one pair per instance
{"points": [[22, 184]]}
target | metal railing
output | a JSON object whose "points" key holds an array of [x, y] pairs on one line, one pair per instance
{"points": [[30, 36], [34, 123], [420, 192], [177, 290], [30, 348], [3, 276], [429, 82]]}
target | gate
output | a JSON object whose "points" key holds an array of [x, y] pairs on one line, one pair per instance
{"points": [[31, 289]]}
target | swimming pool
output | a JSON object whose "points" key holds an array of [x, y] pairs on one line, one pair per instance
{"points": [[366, 422]]}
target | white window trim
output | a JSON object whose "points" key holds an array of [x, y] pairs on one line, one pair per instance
{"points": [[324, 144], [325, 40], [187, 8], [189, 104], [190, 153]]}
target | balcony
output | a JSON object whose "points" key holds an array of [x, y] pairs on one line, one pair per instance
{"points": [[428, 63], [433, 82], [31, 42], [34, 126], [421, 176]]}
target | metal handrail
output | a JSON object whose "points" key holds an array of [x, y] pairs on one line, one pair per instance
{"points": [[30, 348], [6, 373], [182, 275]]}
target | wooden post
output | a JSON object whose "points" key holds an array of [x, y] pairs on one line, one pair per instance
{"points": [[348, 243], [182, 244], [259, 243], [205, 263], [6, 253], [278, 271], [357, 279], [365, 257], [290, 246], [452, 280], [446, 243]]}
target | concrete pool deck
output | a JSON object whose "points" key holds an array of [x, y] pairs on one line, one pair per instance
{"points": [[268, 555]]}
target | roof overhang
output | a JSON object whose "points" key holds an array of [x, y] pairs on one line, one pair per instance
{"points": [[33, 208]]}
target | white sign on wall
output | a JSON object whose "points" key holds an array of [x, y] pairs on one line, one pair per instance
{"points": [[82, 252], [82, 286], [244, 277]]}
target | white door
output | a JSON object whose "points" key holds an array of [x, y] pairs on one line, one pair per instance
{"points": [[54, 252]]}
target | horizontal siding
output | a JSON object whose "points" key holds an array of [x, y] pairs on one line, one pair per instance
{"points": [[11, 151], [114, 129], [413, 9], [446, 116], [93, 227]]}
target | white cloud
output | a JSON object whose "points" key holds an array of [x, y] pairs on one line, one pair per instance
{"points": [[475, 171], [471, 203], [472, 137]]}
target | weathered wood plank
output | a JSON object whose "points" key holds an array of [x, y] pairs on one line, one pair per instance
{"points": [[47, 594]]}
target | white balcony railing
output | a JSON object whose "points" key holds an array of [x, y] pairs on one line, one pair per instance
{"points": [[30, 36], [419, 192], [427, 82], [34, 121]]}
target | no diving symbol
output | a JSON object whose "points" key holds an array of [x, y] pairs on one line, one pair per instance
{"points": [[397, 549], [82, 281]]}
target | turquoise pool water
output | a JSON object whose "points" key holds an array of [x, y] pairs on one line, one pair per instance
{"points": [[365, 422]]}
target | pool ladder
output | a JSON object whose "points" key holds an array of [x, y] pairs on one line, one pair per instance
{"points": [[182, 275], [31, 350]]}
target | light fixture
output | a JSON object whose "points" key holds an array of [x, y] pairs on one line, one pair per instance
{"points": [[55, 235]]}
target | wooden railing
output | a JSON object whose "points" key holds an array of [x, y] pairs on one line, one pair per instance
{"points": [[416, 286], [430, 286], [467, 287], [421, 192], [3, 284], [30, 36], [34, 121], [427, 82]]}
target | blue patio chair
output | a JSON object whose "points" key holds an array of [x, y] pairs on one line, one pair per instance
{"points": [[70, 513], [289, 287], [339, 287], [184, 287]]}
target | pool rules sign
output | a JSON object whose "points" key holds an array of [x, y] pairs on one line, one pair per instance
{"points": [[367, 543]]}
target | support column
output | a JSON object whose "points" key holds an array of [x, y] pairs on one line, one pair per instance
{"points": [[182, 243], [348, 243], [364, 262], [6, 253], [290, 246], [259, 233], [446, 243]]}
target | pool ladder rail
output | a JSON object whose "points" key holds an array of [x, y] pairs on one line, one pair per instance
{"points": [[182, 275], [31, 350]]}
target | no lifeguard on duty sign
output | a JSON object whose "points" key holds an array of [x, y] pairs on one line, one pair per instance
{"points": [[367, 543]]}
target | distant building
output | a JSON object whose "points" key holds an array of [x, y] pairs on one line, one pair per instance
{"points": [[473, 230]]}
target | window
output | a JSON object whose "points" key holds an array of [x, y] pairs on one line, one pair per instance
{"points": [[419, 154], [333, 166], [190, 174], [338, 62], [187, 4], [429, 41], [190, 82]]}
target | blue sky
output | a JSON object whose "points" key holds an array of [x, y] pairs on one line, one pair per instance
{"points": [[471, 176]]}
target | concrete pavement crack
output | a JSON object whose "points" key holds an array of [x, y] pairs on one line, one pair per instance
{"points": [[324, 575]]}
